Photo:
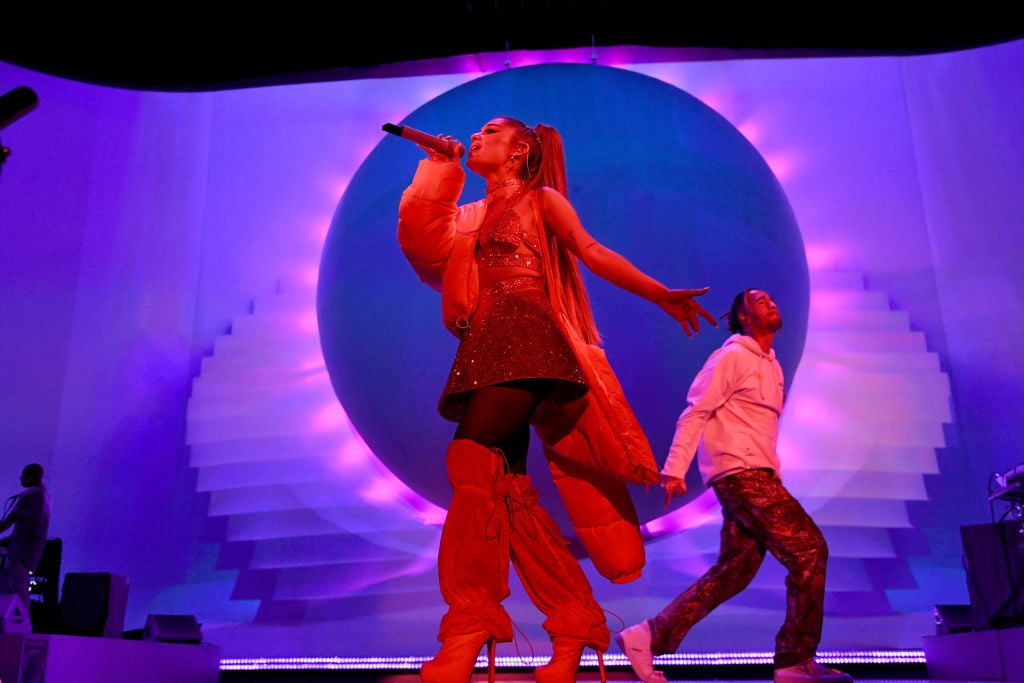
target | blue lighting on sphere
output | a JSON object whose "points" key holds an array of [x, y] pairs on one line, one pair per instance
{"points": [[654, 174]]}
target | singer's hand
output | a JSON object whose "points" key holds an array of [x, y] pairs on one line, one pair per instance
{"points": [[682, 305], [434, 155]]}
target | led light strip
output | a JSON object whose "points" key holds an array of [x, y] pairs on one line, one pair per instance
{"points": [[869, 657]]}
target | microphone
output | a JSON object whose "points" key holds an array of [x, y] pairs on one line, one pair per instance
{"points": [[450, 148], [16, 104]]}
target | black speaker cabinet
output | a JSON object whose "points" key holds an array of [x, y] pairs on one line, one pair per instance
{"points": [[953, 619], [44, 589], [93, 604], [994, 558]]}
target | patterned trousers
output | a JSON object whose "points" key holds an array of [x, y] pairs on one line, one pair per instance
{"points": [[759, 515]]}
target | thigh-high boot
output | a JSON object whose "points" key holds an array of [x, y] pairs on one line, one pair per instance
{"points": [[556, 584], [472, 564]]}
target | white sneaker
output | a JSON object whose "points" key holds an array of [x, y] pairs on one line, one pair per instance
{"points": [[811, 672], [635, 643]]}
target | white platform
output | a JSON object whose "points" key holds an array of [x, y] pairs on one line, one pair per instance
{"points": [[991, 655], [41, 658]]}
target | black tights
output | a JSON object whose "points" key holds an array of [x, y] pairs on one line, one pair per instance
{"points": [[498, 416]]}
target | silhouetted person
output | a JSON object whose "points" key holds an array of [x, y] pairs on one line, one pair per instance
{"points": [[29, 515]]}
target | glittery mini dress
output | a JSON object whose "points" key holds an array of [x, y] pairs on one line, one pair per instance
{"points": [[513, 334]]}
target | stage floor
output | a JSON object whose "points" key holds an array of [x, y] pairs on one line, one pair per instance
{"points": [[982, 657], [584, 677], [745, 674], [967, 657]]}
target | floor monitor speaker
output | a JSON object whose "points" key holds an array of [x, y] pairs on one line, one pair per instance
{"points": [[172, 628]]}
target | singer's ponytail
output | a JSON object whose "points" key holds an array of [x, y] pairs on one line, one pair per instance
{"points": [[544, 166]]}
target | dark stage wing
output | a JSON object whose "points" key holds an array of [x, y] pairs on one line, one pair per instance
{"points": [[173, 49]]}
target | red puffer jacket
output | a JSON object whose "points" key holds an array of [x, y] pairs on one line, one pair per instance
{"points": [[595, 447]]}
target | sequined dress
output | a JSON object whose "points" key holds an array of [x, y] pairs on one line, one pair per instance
{"points": [[594, 446], [513, 334]]}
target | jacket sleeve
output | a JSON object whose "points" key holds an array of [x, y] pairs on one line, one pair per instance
{"points": [[426, 218], [707, 394]]}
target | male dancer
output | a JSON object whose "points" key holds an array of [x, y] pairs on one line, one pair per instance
{"points": [[731, 422]]}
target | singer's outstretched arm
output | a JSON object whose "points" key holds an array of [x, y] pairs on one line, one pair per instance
{"points": [[561, 217]]}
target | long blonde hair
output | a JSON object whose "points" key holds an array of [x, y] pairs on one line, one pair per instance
{"points": [[544, 166]]}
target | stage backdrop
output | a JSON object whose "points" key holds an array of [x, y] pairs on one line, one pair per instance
{"points": [[214, 346]]}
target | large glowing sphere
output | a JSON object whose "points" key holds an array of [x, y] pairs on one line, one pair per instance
{"points": [[654, 174]]}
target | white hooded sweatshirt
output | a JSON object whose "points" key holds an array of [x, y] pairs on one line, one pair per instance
{"points": [[731, 420]]}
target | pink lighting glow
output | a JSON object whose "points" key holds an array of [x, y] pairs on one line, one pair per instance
{"points": [[700, 511], [782, 165], [353, 454], [309, 274], [185, 238], [306, 322], [329, 417], [752, 131], [822, 256]]}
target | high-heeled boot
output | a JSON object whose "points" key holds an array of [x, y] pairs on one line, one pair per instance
{"points": [[565, 662], [472, 563], [556, 584], [457, 657]]}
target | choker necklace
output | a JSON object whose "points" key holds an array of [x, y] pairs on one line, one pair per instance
{"points": [[504, 183]]}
